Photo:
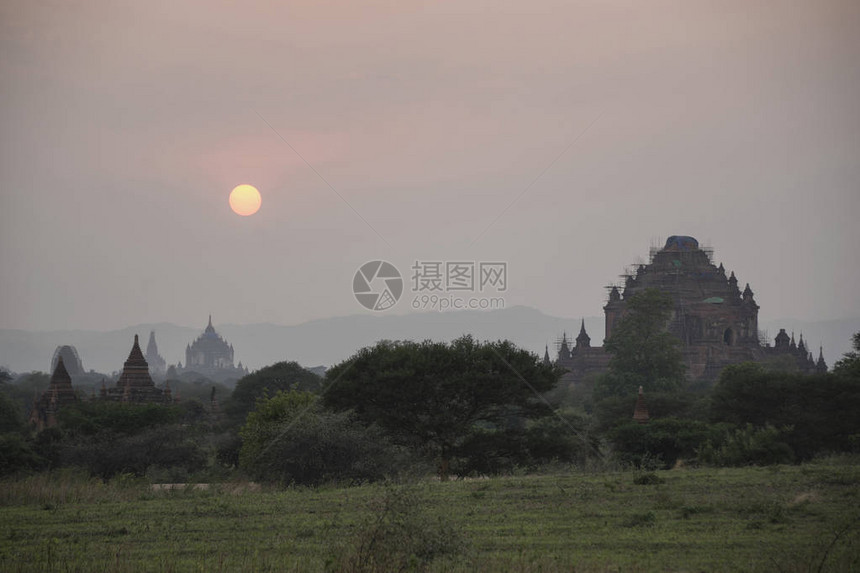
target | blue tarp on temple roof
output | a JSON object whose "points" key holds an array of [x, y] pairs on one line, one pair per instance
{"points": [[681, 243]]}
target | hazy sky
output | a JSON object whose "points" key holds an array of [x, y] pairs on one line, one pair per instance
{"points": [[125, 125]]}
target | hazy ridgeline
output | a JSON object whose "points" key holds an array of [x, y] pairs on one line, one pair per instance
{"points": [[330, 340]]}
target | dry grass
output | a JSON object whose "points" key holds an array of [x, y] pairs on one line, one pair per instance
{"points": [[787, 518]]}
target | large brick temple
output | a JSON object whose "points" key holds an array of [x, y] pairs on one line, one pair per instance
{"points": [[211, 356], [715, 321]]}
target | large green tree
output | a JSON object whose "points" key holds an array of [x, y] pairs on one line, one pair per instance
{"points": [[265, 423], [643, 352], [818, 411], [114, 437], [434, 396], [16, 452], [849, 365], [266, 382], [23, 389], [290, 438], [10, 416]]}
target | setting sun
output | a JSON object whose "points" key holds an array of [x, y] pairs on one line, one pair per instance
{"points": [[245, 200]]}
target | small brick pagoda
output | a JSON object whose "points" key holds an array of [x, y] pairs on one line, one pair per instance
{"points": [[135, 384]]}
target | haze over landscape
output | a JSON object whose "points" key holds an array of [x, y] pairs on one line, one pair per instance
{"points": [[486, 285], [563, 139], [329, 341]]}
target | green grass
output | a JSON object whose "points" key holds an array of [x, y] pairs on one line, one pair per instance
{"points": [[783, 518]]}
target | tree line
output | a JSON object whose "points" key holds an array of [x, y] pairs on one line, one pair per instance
{"points": [[455, 409]]}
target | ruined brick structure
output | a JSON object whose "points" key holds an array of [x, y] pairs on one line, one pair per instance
{"points": [[716, 322], [59, 393], [71, 360]]}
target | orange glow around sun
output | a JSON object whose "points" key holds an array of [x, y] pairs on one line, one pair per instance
{"points": [[245, 200]]}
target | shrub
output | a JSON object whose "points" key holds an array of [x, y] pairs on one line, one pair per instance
{"points": [[17, 455], [91, 418], [648, 479], [107, 454], [290, 439], [398, 535], [667, 439], [749, 446], [647, 519]]}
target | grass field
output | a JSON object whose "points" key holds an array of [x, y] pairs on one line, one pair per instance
{"points": [[782, 518]]}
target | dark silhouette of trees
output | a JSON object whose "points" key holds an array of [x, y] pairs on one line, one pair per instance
{"points": [[266, 382], [815, 413], [109, 438], [434, 396], [290, 438], [849, 365]]}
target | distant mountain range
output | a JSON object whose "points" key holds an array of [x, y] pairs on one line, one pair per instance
{"points": [[329, 341]]}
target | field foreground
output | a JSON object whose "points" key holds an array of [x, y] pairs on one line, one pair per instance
{"points": [[782, 518]]}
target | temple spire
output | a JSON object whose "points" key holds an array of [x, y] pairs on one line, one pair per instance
{"points": [[733, 286], [209, 328], [60, 373], [136, 353], [151, 347], [157, 364], [821, 366], [583, 340], [564, 349]]}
